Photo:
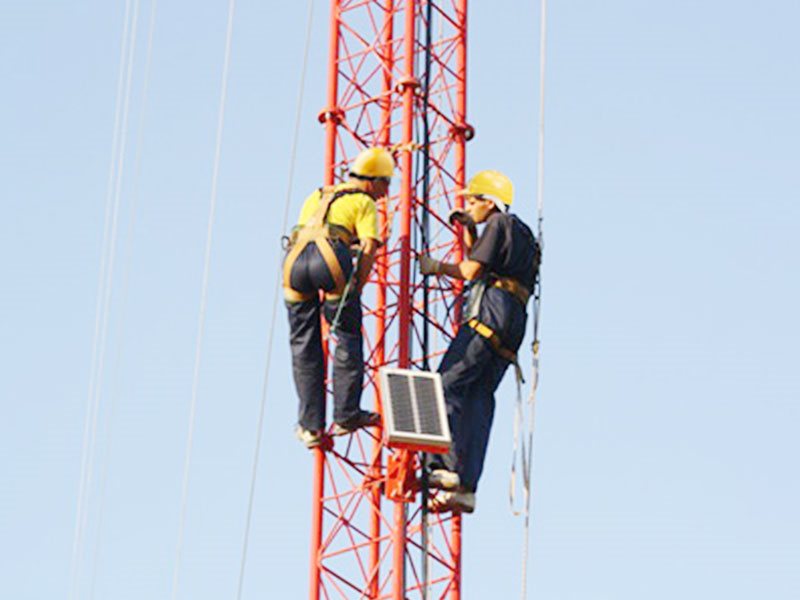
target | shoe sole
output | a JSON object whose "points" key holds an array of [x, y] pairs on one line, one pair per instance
{"points": [[454, 506], [308, 443], [457, 509], [341, 430], [450, 485]]}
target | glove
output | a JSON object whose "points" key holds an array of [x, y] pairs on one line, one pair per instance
{"points": [[429, 266], [458, 215]]}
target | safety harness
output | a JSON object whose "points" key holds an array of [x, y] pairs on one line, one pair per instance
{"points": [[521, 293], [318, 231], [512, 286]]}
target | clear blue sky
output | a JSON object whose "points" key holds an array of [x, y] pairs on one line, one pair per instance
{"points": [[666, 445]]}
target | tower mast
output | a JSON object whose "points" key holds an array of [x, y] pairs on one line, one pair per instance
{"points": [[371, 537]]}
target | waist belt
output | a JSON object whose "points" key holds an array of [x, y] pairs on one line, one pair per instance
{"points": [[512, 286], [340, 233]]}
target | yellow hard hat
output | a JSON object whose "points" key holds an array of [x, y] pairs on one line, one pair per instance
{"points": [[492, 185], [373, 163]]}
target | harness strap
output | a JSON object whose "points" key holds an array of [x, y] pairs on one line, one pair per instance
{"points": [[512, 286], [317, 231], [329, 256], [521, 445], [490, 334], [294, 296]]}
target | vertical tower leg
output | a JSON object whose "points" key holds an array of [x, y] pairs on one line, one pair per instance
{"points": [[361, 548], [408, 88], [384, 139], [316, 522]]}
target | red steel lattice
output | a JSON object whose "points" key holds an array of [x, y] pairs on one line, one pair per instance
{"points": [[366, 544]]}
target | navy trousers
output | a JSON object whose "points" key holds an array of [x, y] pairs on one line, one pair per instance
{"points": [[309, 275], [471, 372]]}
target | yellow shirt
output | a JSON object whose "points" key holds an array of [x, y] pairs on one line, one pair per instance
{"points": [[355, 212]]}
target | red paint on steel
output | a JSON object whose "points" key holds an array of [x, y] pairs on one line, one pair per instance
{"points": [[455, 588], [316, 521], [407, 89], [381, 270], [360, 548], [332, 110]]}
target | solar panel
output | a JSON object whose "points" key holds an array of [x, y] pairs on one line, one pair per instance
{"points": [[414, 410]]}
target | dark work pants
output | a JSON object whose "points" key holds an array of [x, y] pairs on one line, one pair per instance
{"points": [[471, 372], [310, 275]]}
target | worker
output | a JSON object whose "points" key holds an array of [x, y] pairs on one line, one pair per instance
{"points": [[333, 220], [502, 267]]}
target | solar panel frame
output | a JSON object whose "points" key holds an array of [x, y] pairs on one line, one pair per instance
{"points": [[404, 437]]}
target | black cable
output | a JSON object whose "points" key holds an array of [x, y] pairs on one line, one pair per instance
{"points": [[425, 234], [426, 162]]}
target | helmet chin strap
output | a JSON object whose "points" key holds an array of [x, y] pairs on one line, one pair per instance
{"points": [[501, 206]]}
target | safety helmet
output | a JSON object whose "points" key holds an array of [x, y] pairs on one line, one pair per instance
{"points": [[492, 185], [373, 163]]}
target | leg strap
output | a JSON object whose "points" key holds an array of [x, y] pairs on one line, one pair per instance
{"points": [[294, 296], [288, 265], [335, 269], [497, 345]]}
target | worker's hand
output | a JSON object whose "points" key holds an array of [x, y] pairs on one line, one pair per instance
{"points": [[459, 215], [429, 266]]}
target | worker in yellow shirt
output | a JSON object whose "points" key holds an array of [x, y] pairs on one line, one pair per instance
{"points": [[333, 220]]}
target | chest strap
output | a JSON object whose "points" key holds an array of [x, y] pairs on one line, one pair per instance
{"points": [[316, 230], [512, 286]]}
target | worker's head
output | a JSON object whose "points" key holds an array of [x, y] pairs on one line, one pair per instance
{"points": [[373, 168], [487, 192]]}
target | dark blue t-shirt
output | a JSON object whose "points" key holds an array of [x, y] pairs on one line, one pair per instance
{"points": [[508, 248]]}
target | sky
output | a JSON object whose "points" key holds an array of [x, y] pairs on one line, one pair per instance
{"points": [[666, 440]]}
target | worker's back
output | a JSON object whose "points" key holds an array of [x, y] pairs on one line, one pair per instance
{"points": [[352, 209]]}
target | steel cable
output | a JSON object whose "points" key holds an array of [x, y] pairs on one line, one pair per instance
{"points": [[537, 297], [275, 301], [104, 287], [203, 297], [124, 292]]}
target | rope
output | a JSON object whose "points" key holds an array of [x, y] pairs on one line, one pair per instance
{"points": [[346, 292], [104, 287], [275, 301], [537, 302], [203, 295], [124, 292]]}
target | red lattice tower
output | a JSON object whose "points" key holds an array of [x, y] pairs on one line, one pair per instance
{"points": [[396, 78]]}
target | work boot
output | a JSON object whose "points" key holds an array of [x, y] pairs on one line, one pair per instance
{"points": [[310, 438], [457, 502], [442, 479], [364, 418]]}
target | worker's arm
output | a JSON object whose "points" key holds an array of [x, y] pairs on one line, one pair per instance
{"points": [[484, 249], [368, 248], [469, 233], [466, 269]]}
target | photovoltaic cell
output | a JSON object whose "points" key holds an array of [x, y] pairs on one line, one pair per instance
{"points": [[425, 391], [415, 413], [402, 409]]}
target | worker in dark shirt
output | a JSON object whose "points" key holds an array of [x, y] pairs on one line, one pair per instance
{"points": [[333, 221], [502, 267]]}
